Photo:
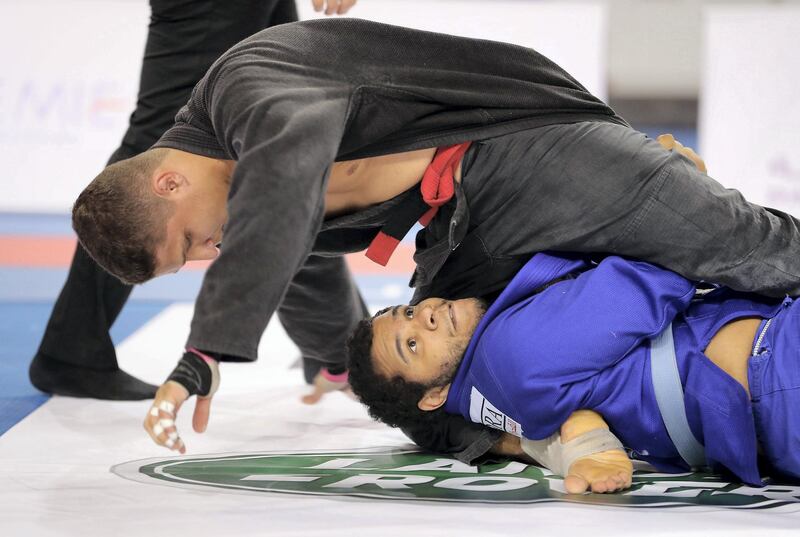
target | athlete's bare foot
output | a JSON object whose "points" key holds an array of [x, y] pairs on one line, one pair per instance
{"points": [[606, 471]]}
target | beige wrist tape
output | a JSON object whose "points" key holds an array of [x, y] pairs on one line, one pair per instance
{"points": [[558, 457]]}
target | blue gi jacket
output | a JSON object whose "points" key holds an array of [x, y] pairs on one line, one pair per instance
{"points": [[582, 343]]}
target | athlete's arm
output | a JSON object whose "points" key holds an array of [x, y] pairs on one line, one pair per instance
{"points": [[595, 467]]}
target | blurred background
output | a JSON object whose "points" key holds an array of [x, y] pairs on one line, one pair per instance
{"points": [[721, 75], [704, 69]]}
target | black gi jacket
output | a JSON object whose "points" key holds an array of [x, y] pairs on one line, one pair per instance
{"points": [[289, 101]]}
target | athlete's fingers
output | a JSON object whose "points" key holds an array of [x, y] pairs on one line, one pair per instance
{"points": [[318, 4], [312, 398], [174, 442], [202, 412], [164, 433], [669, 143], [689, 153], [153, 422], [159, 421], [345, 5], [666, 140], [323, 384]]}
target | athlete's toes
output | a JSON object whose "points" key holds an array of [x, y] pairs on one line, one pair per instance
{"points": [[575, 485]]}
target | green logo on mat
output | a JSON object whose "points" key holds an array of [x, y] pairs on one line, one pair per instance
{"points": [[411, 475]]}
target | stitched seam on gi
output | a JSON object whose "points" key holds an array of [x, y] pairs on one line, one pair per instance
{"points": [[637, 220]]}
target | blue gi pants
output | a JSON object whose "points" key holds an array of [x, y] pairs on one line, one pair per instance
{"points": [[774, 378]]}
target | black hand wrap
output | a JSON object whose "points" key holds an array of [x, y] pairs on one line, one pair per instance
{"points": [[194, 374]]}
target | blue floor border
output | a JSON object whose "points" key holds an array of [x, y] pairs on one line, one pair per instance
{"points": [[21, 330]]}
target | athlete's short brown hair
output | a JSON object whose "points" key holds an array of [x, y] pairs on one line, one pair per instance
{"points": [[120, 221]]}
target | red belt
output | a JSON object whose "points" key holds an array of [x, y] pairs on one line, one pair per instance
{"points": [[436, 189]]}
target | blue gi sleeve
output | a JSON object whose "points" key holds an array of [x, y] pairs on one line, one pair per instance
{"points": [[544, 347]]}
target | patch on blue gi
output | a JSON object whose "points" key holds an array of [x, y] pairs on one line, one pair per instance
{"points": [[481, 410]]}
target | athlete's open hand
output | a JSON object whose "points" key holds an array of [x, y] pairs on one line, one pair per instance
{"points": [[160, 420], [333, 7], [324, 383]]}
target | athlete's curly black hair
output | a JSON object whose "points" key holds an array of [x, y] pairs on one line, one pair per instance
{"points": [[390, 400]]}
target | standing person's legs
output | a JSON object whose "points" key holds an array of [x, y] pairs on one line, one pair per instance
{"points": [[76, 356]]}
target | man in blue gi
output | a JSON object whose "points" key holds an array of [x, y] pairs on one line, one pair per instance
{"points": [[567, 334]]}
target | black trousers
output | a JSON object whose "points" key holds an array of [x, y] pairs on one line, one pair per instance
{"points": [[184, 38]]}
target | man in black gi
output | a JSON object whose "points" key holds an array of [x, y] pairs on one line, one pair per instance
{"points": [[76, 356], [313, 143]]}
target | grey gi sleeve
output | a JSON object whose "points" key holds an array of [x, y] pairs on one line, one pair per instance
{"points": [[284, 136], [453, 434], [321, 308]]}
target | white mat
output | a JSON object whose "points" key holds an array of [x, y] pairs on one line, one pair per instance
{"points": [[56, 479]]}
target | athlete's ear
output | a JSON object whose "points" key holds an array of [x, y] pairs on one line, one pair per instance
{"points": [[167, 183], [434, 398]]}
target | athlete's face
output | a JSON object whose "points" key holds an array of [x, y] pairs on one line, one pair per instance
{"points": [[425, 342], [195, 226], [194, 232]]}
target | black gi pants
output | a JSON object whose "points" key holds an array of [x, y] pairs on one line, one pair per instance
{"points": [[184, 38]]}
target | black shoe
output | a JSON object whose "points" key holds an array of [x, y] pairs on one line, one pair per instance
{"points": [[61, 378]]}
